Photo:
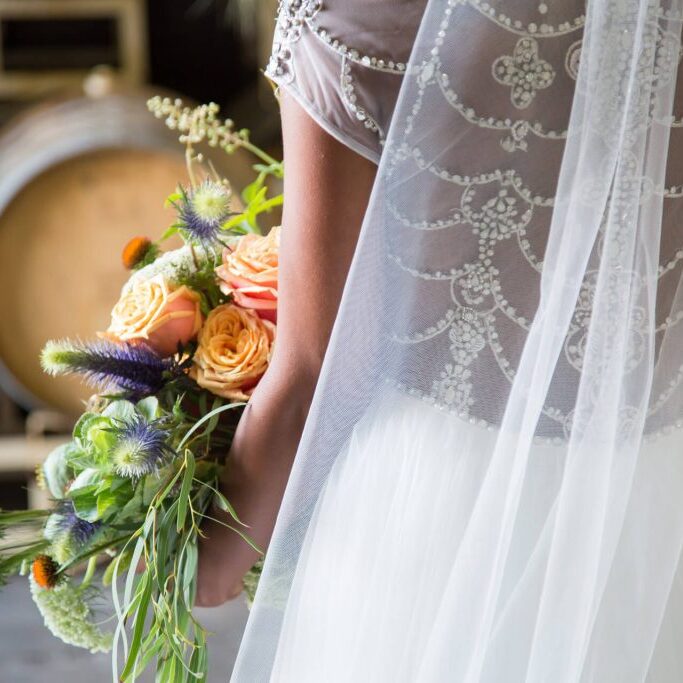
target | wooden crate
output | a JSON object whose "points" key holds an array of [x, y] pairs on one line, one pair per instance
{"points": [[131, 37]]}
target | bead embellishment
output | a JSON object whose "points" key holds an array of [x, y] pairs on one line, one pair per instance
{"points": [[350, 99], [571, 62], [293, 15], [524, 72], [499, 209]]}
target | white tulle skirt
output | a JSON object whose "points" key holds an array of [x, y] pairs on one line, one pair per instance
{"points": [[375, 595]]}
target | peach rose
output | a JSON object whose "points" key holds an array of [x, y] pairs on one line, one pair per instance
{"points": [[153, 311], [249, 272], [235, 346]]}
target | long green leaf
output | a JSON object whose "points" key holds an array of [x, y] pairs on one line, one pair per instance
{"points": [[120, 631], [145, 594], [190, 573], [132, 573], [151, 645], [224, 504], [198, 661], [206, 418], [119, 563], [184, 497], [239, 532], [163, 543]]}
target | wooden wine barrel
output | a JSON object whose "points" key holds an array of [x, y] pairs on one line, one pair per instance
{"points": [[78, 178]]}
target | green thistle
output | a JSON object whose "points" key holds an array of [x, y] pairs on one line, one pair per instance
{"points": [[211, 202], [202, 212]]}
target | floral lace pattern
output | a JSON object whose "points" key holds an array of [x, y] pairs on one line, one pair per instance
{"points": [[524, 72], [500, 208], [516, 110]]}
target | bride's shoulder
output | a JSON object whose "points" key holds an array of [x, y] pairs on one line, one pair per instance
{"points": [[343, 60]]}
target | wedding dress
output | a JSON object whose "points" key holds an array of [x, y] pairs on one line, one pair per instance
{"points": [[489, 487]]}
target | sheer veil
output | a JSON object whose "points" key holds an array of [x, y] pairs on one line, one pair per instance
{"points": [[515, 303]]}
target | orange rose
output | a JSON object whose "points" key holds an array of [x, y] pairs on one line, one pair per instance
{"points": [[151, 310], [234, 349], [249, 272]]}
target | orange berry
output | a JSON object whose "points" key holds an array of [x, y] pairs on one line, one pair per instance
{"points": [[44, 571], [134, 251]]}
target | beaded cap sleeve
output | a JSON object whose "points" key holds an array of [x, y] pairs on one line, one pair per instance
{"points": [[343, 60]]}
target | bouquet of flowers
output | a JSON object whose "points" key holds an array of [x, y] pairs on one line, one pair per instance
{"points": [[189, 339]]}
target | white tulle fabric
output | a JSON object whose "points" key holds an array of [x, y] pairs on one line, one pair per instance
{"points": [[490, 484]]}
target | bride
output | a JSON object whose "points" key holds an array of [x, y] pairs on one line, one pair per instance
{"points": [[489, 462]]}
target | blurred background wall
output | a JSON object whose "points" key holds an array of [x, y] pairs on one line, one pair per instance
{"points": [[84, 167]]}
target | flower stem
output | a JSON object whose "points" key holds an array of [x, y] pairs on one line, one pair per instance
{"points": [[89, 572], [256, 151], [188, 162]]}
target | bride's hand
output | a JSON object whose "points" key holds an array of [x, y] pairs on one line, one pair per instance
{"points": [[254, 482], [215, 583]]}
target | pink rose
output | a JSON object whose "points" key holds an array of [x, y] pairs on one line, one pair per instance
{"points": [[157, 313], [250, 271]]}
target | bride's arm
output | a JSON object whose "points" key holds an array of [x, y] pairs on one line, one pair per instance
{"points": [[326, 192]]}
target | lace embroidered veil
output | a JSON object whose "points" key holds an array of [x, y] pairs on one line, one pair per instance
{"points": [[520, 270]]}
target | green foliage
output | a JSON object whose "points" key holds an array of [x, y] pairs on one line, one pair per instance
{"points": [[202, 279], [203, 124], [251, 580], [153, 522], [256, 200], [158, 601], [55, 469], [146, 522]]}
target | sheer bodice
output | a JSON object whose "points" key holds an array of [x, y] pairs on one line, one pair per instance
{"points": [[483, 169]]}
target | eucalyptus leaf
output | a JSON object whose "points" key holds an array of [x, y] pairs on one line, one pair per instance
{"points": [[88, 479], [190, 560], [80, 426], [85, 504], [166, 537], [96, 434], [119, 410], [56, 469], [224, 504], [149, 408]]}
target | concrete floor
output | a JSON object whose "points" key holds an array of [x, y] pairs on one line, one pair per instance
{"points": [[30, 654]]}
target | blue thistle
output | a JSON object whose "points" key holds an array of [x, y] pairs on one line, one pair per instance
{"points": [[141, 448], [134, 368], [202, 212], [80, 530], [69, 532]]}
